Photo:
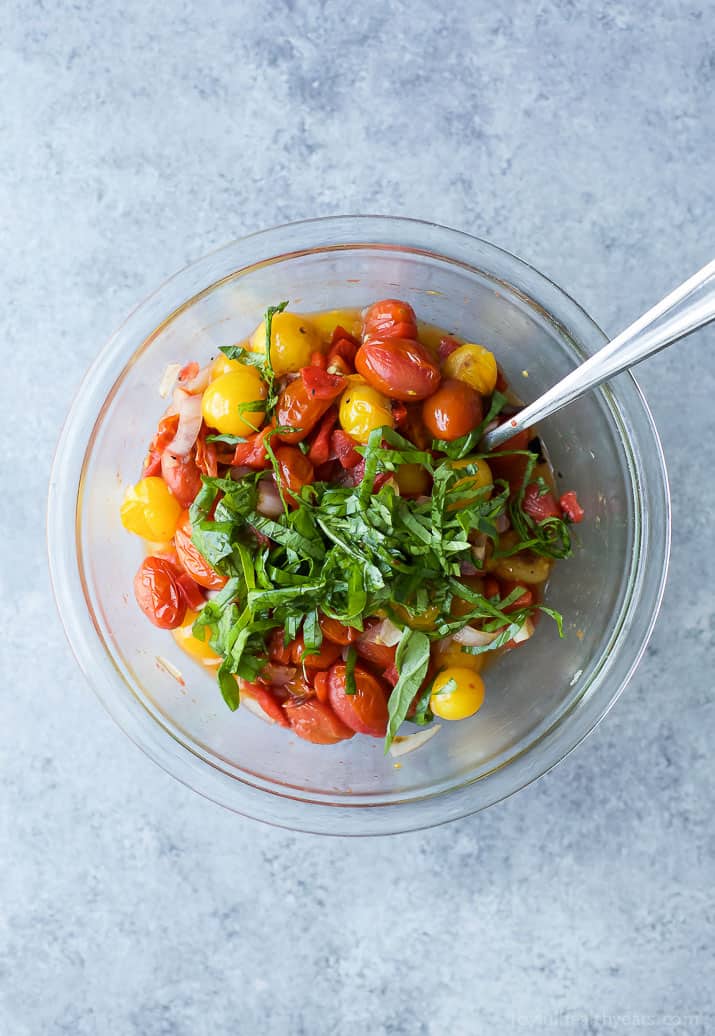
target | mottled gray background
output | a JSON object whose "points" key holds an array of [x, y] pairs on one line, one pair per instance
{"points": [[137, 136]]}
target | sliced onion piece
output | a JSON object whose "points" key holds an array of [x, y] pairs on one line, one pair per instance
{"points": [[269, 499], [408, 743], [171, 669], [279, 675], [189, 410], [525, 631], [474, 638], [386, 633], [199, 382], [168, 379]]}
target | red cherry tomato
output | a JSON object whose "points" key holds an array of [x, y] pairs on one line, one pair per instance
{"points": [[335, 631], [158, 594], [389, 318], [295, 469], [453, 411], [321, 685], [315, 721], [510, 468], [380, 655], [365, 712], [266, 699], [182, 476], [190, 591], [539, 506], [571, 508], [400, 368], [296, 409], [328, 653], [192, 560]]}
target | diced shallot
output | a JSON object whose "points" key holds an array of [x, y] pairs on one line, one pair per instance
{"points": [[502, 523], [189, 410], [466, 568], [408, 743], [474, 638], [269, 500]]}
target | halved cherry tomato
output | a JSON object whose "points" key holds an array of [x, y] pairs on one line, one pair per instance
{"points": [[296, 409], [321, 685], [447, 346], [315, 721], [539, 506], [571, 508], [328, 653], [400, 368], [389, 318], [335, 631], [295, 469], [413, 427], [191, 558], [365, 711], [158, 594], [182, 476], [453, 411]]}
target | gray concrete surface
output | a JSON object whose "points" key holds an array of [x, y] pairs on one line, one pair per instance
{"points": [[135, 137]]}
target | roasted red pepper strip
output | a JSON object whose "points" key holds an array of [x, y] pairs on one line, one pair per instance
{"points": [[321, 385], [540, 505], [571, 508], [344, 448], [165, 433], [320, 447], [252, 452]]}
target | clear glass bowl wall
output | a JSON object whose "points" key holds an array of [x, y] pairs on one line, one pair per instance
{"points": [[541, 699]]}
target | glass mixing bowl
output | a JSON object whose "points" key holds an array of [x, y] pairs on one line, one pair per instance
{"points": [[541, 699]]}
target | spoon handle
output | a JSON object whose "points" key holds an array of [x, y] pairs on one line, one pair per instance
{"points": [[684, 310]]}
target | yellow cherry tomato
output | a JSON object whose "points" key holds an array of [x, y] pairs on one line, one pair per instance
{"points": [[294, 339], [481, 478], [222, 365], [149, 510], [197, 647], [412, 480], [474, 365], [362, 409], [453, 656], [457, 693], [425, 621], [222, 400], [326, 321]]}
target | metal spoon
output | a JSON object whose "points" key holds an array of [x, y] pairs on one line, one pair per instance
{"points": [[683, 311]]}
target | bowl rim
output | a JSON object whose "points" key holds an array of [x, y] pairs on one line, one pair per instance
{"points": [[278, 807]]}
